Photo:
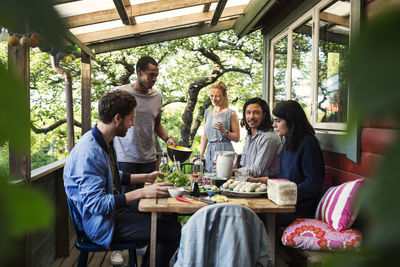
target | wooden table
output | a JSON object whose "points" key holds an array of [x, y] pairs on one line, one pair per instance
{"points": [[165, 205]]}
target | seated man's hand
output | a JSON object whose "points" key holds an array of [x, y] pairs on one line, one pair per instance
{"points": [[259, 179], [154, 175], [156, 190]]}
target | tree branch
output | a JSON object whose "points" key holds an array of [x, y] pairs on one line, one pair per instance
{"points": [[174, 100], [53, 126], [130, 69], [198, 120]]}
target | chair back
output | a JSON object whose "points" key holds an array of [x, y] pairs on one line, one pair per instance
{"points": [[77, 220], [224, 235]]}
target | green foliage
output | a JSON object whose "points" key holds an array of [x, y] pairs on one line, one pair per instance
{"points": [[40, 159], [4, 171], [373, 75], [22, 209]]}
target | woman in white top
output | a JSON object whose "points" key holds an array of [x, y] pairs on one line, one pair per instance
{"points": [[221, 125]]}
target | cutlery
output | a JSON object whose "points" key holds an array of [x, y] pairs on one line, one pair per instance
{"points": [[203, 200]]}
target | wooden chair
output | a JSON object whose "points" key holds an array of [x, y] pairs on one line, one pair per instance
{"points": [[84, 245]]}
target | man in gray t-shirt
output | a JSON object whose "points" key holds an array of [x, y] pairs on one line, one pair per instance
{"points": [[136, 152]]}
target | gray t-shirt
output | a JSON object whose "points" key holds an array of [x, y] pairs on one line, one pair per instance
{"points": [[261, 154], [138, 146]]}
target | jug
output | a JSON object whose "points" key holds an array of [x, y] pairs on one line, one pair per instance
{"points": [[225, 162]]}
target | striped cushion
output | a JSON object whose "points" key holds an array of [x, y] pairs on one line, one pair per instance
{"points": [[337, 207]]}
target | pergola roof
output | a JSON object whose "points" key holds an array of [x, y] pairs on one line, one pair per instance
{"points": [[99, 26]]}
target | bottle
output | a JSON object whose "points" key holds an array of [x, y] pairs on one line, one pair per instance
{"points": [[164, 164], [195, 190], [198, 165]]}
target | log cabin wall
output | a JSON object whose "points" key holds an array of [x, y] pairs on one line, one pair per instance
{"points": [[376, 136]]}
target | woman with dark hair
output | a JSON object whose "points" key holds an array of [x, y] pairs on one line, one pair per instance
{"points": [[301, 159], [262, 147]]}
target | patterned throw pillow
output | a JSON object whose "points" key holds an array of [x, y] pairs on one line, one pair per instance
{"points": [[318, 235], [337, 207]]}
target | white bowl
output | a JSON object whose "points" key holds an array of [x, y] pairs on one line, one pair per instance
{"points": [[176, 191]]}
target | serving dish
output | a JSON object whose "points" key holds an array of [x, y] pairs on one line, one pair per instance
{"points": [[231, 193]]}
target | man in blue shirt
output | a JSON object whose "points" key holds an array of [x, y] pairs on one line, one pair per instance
{"points": [[93, 182]]}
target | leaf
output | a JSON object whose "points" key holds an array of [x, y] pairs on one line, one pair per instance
{"points": [[25, 209], [15, 119]]}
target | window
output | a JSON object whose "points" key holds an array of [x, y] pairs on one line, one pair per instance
{"points": [[305, 55], [308, 62]]}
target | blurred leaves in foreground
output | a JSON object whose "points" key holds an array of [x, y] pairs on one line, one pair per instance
{"points": [[374, 77], [22, 210]]}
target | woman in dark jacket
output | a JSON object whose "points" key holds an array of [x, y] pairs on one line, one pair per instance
{"points": [[301, 159]]}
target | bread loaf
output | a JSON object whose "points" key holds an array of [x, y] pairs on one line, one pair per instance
{"points": [[282, 192]]}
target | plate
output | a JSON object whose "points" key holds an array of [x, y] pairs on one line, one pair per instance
{"points": [[231, 193]]}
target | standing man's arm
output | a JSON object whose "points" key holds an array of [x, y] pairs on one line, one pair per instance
{"points": [[162, 134]]}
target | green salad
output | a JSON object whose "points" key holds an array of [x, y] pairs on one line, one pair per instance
{"points": [[178, 179]]}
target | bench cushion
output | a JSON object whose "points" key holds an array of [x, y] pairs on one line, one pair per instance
{"points": [[337, 206], [317, 235]]}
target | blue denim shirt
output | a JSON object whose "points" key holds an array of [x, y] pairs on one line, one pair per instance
{"points": [[88, 183], [224, 235]]}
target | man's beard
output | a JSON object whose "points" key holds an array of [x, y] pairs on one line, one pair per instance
{"points": [[121, 131]]}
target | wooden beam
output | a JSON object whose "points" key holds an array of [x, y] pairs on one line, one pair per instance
{"points": [[56, 2], [133, 11], [120, 6], [81, 45], [161, 36], [158, 25], [19, 159], [255, 10], [127, 5], [218, 11], [206, 7], [338, 20]]}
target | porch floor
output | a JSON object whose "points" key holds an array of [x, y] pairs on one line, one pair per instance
{"points": [[98, 259], [102, 259]]}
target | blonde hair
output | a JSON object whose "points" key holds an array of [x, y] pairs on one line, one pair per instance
{"points": [[222, 86]]}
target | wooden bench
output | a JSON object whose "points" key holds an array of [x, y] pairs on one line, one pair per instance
{"points": [[311, 258]]}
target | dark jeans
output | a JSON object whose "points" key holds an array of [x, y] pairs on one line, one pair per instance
{"points": [[136, 168], [132, 226]]}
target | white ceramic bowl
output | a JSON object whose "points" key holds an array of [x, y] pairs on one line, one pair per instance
{"points": [[176, 191]]}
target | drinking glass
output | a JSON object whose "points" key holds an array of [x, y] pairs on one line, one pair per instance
{"points": [[241, 174]]}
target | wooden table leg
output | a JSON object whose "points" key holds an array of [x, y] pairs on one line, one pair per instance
{"points": [[271, 235], [153, 239]]}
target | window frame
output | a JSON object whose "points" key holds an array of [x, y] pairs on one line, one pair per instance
{"points": [[334, 137]]}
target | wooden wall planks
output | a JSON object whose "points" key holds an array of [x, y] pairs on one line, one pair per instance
{"points": [[374, 142]]}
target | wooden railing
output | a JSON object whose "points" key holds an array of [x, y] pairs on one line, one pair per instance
{"points": [[47, 245]]}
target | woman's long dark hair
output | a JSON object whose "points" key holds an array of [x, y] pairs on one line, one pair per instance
{"points": [[296, 121], [266, 124]]}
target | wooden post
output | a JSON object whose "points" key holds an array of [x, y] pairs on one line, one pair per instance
{"points": [[19, 160], [62, 218], [86, 70]]}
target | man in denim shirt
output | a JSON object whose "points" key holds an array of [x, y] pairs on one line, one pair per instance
{"points": [[92, 182]]}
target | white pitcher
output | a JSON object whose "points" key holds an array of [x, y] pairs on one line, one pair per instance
{"points": [[225, 163]]}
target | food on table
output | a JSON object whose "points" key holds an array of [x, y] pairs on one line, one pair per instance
{"points": [[178, 179], [181, 148], [218, 198], [282, 192], [214, 188], [164, 167], [247, 187]]}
